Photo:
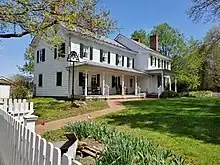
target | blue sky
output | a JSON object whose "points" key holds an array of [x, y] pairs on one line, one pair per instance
{"points": [[130, 14]]}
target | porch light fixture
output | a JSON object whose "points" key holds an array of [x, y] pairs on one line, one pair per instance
{"points": [[73, 57]]}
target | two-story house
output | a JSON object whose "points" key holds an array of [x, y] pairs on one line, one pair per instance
{"points": [[106, 67]]}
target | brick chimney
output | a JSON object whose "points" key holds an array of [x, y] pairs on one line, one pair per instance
{"points": [[154, 42]]}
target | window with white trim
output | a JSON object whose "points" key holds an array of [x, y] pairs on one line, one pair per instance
{"points": [[105, 56], [86, 51]]}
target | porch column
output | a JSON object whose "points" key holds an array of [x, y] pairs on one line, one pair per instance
{"points": [[136, 86], [86, 82], [169, 83], [175, 84], [162, 83], [103, 83], [122, 85]]}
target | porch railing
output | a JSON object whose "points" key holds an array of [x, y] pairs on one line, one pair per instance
{"points": [[159, 91]]}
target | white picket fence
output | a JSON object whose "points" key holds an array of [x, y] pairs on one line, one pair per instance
{"points": [[21, 146], [18, 108]]}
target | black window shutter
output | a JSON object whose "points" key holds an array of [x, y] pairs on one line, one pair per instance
{"points": [[151, 60], [55, 52], [128, 59], [43, 55], [116, 61], [81, 50], [63, 48], [80, 79], [122, 60], [109, 56], [91, 53], [98, 80], [113, 81], [59, 79], [133, 63], [155, 61], [101, 55], [40, 80], [38, 54]]}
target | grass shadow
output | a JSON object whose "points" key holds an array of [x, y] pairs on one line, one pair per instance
{"points": [[193, 118]]}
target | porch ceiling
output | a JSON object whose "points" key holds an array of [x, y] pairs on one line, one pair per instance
{"points": [[107, 67], [160, 71]]}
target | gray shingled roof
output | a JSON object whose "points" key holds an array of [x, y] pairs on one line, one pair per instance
{"points": [[100, 38]]}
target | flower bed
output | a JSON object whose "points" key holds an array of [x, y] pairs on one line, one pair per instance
{"points": [[123, 149]]}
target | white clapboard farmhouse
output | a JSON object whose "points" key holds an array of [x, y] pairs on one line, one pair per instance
{"points": [[106, 67]]}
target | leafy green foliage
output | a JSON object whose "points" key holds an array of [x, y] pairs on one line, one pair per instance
{"points": [[188, 126], [200, 93], [28, 67], [169, 94], [139, 35], [121, 148], [169, 37], [20, 89], [19, 18]]}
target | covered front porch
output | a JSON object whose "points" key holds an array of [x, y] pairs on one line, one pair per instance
{"points": [[164, 78], [102, 82]]}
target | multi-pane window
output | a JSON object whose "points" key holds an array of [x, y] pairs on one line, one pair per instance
{"points": [[105, 56], [41, 55], [59, 79], [129, 62], [118, 60], [86, 51], [59, 51], [95, 80], [155, 61], [40, 80], [165, 65]]}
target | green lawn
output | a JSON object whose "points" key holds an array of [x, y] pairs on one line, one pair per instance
{"points": [[48, 109], [188, 126]]}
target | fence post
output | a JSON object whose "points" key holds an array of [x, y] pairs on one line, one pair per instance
{"points": [[29, 121]]}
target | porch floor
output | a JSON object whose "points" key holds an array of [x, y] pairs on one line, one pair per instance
{"points": [[113, 96]]}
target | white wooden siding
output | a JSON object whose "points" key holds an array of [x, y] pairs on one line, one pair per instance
{"points": [[49, 69]]}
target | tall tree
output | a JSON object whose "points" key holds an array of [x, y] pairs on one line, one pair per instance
{"points": [[207, 10], [169, 38], [22, 17], [139, 35], [28, 67]]}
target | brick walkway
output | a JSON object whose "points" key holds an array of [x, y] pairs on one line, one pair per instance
{"points": [[114, 106]]}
